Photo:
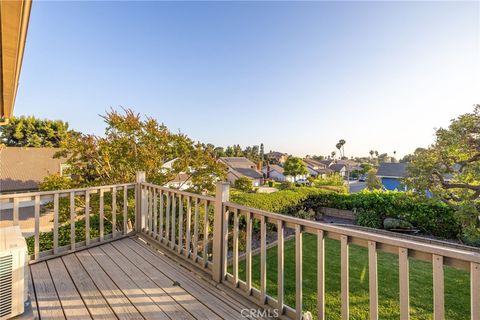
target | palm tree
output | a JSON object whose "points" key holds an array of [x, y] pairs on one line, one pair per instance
{"points": [[333, 154], [372, 153]]}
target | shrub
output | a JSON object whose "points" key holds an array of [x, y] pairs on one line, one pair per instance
{"points": [[243, 184], [270, 183], [368, 218]]}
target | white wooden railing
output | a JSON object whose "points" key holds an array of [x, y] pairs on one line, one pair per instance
{"points": [[78, 204], [197, 229]]}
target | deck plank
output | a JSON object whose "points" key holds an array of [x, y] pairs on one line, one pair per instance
{"points": [[31, 295], [93, 299], [122, 307], [143, 303], [47, 299], [72, 303], [206, 294], [236, 302], [182, 296], [156, 293]]}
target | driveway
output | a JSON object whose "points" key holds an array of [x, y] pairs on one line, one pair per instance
{"points": [[357, 186]]}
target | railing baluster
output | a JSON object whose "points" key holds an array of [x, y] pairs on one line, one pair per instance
{"points": [[195, 231], [161, 235], [36, 249], [87, 217], [373, 279], [298, 272], [55, 223], [404, 285], [189, 227], [155, 213], [114, 212], [235, 247], [180, 224], [125, 210], [15, 212], [321, 274], [72, 220], [205, 235], [174, 221], [344, 276], [248, 254], [226, 213], [438, 288], [149, 210], [167, 217], [102, 213], [475, 290], [263, 260]]}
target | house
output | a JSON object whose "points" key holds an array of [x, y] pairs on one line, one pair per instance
{"points": [[242, 167], [391, 174], [274, 172], [316, 168], [182, 180], [339, 168], [22, 169], [276, 157]]}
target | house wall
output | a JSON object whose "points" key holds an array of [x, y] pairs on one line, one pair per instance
{"points": [[297, 178], [277, 176]]}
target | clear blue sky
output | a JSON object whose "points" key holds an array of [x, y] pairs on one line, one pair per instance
{"points": [[295, 76]]}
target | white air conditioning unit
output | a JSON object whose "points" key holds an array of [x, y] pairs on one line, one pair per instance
{"points": [[13, 272]]}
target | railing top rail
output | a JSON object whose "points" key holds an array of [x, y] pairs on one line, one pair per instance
{"points": [[185, 193], [397, 242], [64, 191]]}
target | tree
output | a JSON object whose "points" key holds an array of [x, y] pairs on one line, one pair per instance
{"points": [[333, 154], [132, 144], [340, 146], [294, 167], [243, 184], [34, 132], [449, 169], [373, 182], [372, 153]]}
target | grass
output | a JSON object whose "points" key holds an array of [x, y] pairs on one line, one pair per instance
{"points": [[457, 282]]}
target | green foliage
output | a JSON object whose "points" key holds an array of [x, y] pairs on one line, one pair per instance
{"points": [[331, 180], [428, 215], [132, 144], [46, 238], [243, 184], [34, 132], [283, 201], [294, 167], [368, 218], [450, 168], [373, 182]]}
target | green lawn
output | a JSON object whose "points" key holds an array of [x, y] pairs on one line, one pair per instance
{"points": [[457, 283]]}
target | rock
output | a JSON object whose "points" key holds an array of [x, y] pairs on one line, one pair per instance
{"points": [[393, 223]]}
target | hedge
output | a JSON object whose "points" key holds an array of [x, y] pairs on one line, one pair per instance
{"points": [[429, 216]]}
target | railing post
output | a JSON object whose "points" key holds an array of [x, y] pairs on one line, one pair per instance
{"points": [[139, 202], [219, 233]]}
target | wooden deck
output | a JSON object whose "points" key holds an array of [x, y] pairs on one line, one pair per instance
{"points": [[126, 279]]}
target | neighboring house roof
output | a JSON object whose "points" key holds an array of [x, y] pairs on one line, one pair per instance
{"points": [[251, 173], [337, 167], [169, 164], [241, 166], [275, 154], [273, 167], [327, 162], [25, 168], [314, 164], [392, 170], [181, 177]]}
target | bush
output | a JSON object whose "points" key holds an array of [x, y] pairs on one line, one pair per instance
{"points": [[270, 183], [368, 218], [243, 184], [285, 185], [428, 215]]}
